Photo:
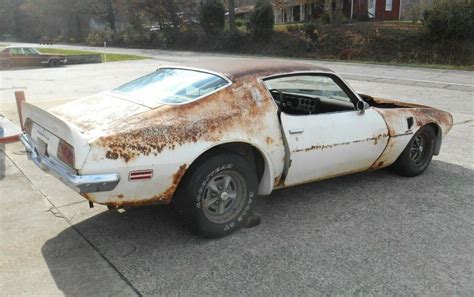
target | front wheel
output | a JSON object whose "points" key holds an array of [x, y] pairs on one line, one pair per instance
{"points": [[218, 194], [5, 64], [417, 156]]}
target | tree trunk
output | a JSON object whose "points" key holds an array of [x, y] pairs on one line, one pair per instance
{"points": [[111, 16], [231, 5], [79, 28]]}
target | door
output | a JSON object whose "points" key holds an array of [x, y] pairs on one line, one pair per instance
{"points": [[332, 144], [32, 57], [324, 134]]}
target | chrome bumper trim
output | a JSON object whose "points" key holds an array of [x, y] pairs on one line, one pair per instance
{"points": [[79, 183]]}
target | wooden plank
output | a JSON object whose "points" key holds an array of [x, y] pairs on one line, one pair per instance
{"points": [[9, 132]]}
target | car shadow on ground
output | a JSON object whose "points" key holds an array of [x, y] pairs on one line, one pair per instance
{"points": [[369, 233]]}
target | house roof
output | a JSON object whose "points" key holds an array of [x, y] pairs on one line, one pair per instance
{"points": [[235, 68]]}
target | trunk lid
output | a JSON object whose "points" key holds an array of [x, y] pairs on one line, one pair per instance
{"points": [[77, 122]]}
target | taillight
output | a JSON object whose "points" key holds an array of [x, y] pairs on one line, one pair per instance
{"points": [[28, 126], [66, 153]]}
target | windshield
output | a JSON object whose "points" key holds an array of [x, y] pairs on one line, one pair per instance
{"points": [[171, 86]]}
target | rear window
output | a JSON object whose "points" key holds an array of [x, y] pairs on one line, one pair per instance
{"points": [[171, 86]]}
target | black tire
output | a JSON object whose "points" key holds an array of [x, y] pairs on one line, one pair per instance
{"points": [[54, 63], [215, 213], [5, 64], [417, 156]]}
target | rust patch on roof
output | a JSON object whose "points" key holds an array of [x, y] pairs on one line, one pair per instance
{"points": [[236, 68]]}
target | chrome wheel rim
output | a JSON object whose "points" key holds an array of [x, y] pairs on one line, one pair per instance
{"points": [[224, 197], [418, 149]]}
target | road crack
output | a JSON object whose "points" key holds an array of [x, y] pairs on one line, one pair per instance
{"points": [[463, 122], [57, 213]]}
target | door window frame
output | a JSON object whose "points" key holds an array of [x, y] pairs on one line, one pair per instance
{"points": [[353, 96]]}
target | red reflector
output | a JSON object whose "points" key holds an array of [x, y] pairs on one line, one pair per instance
{"points": [[66, 153], [140, 174]]}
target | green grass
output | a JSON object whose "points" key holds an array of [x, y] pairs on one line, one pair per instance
{"points": [[109, 57], [121, 57]]}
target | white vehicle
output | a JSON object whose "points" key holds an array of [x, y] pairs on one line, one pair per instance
{"points": [[211, 140]]}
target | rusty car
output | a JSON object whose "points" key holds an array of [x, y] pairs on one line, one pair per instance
{"points": [[29, 57], [210, 137]]}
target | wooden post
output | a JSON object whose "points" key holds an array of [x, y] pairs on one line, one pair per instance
{"points": [[20, 97]]}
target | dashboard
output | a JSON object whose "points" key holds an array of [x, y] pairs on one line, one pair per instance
{"points": [[296, 103], [306, 104]]}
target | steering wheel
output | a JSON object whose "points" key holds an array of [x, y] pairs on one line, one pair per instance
{"points": [[281, 100]]}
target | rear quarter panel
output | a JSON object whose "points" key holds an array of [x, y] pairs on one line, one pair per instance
{"points": [[169, 139]]}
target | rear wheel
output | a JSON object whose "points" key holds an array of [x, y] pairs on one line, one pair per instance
{"points": [[218, 194], [417, 156], [54, 63]]}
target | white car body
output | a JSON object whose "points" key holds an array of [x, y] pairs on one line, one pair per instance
{"points": [[116, 139]]}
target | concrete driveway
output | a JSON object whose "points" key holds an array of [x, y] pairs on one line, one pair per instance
{"points": [[365, 234]]}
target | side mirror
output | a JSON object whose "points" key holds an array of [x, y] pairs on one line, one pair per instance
{"points": [[361, 106]]}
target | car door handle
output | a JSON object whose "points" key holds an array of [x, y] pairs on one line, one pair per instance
{"points": [[296, 131]]}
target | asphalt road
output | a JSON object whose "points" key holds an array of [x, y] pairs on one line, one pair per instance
{"points": [[364, 234]]}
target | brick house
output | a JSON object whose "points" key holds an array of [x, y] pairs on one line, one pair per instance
{"points": [[375, 9], [288, 11]]}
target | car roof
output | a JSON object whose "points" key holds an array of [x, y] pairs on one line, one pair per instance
{"points": [[235, 68]]}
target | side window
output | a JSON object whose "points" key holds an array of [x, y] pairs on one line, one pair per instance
{"points": [[308, 94], [28, 51], [16, 52]]}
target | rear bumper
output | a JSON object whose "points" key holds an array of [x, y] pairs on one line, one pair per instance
{"points": [[79, 183]]}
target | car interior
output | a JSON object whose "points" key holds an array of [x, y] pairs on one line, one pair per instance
{"points": [[308, 94]]}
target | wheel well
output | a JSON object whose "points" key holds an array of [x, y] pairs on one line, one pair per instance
{"points": [[251, 153], [439, 137]]}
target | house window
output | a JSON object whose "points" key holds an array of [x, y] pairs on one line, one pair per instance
{"points": [[388, 5]]}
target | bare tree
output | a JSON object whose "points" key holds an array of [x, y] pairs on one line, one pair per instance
{"points": [[72, 10], [231, 6], [164, 11]]}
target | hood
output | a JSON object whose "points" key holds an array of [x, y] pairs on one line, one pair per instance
{"points": [[389, 103], [91, 116]]}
